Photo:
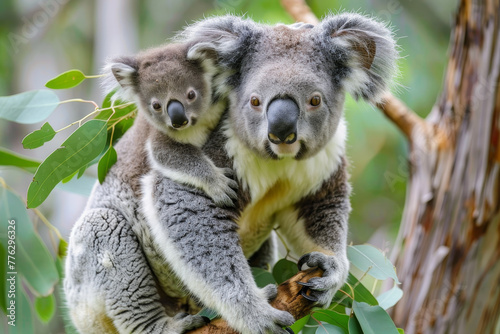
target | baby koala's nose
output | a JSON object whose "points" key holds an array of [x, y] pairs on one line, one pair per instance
{"points": [[177, 115]]}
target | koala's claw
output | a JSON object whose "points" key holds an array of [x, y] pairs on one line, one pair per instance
{"points": [[311, 298], [303, 260], [322, 289], [289, 330]]}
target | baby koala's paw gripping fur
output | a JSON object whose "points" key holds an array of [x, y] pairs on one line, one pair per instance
{"points": [[334, 276], [222, 189]]}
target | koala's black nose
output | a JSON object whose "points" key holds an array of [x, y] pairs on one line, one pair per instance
{"points": [[282, 117], [177, 114]]}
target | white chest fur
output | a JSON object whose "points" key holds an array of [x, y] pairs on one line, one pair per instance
{"points": [[276, 185]]}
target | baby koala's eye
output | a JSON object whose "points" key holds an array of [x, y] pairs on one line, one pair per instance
{"points": [[191, 94], [156, 105], [315, 100], [255, 101]]}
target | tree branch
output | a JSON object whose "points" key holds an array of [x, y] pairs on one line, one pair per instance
{"points": [[289, 299], [402, 116]]}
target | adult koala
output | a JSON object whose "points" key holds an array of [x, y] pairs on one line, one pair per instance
{"points": [[284, 135]]}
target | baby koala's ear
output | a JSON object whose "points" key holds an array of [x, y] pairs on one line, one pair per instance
{"points": [[124, 72]]}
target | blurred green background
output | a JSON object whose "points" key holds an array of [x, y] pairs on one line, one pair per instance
{"points": [[41, 38]]}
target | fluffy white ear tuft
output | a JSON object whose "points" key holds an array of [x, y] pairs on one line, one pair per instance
{"points": [[121, 75], [364, 50]]}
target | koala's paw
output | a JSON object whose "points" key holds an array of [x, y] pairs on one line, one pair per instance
{"points": [[334, 276], [223, 188], [270, 320], [183, 322]]}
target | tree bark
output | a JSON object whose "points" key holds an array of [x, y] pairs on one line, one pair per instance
{"points": [[449, 243]]}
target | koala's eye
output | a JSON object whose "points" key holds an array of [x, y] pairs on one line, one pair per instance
{"points": [[255, 101], [315, 100], [191, 94], [156, 105]]}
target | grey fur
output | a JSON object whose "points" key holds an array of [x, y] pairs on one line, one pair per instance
{"points": [[175, 234], [162, 75]]}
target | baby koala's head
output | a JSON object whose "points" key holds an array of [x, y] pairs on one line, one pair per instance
{"points": [[171, 90]]}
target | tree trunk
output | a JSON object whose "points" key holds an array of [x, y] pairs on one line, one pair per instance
{"points": [[448, 248]]}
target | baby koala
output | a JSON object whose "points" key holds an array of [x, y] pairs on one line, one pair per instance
{"points": [[174, 93]]}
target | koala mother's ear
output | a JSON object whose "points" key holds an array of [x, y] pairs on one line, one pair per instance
{"points": [[121, 72], [220, 38], [362, 51]]}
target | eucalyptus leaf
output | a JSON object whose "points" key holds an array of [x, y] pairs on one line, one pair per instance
{"points": [[32, 258], [262, 277], [283, 270], [39, 137], [209, 313], [24, 315], [299, 324], [68, 79], [105, 163], [329, 329], [333, 318], [45, 307], [373, 319], [354, 326], [28, 107], [77, 151], [371, 260], [10, 158], [389, 298], [361, 293]]}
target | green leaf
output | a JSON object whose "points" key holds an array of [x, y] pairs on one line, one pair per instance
{"points": [[354, 326], [69, 178], [262, 277], [209, 313], [32, 258], [283, 270], [78, 150], [10, 158], [333, 318], [373, 319], [68, 79], [39, 137], [299, 324], [24, 315], [401, 331], [45, 307], [372, 261], [329, 329], [389, 298], [28, 107], [120, 111], [62, 248], [81, 171], [105, 163], [361, 294]]}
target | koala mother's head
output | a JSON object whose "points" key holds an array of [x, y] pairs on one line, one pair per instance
{"points": [[287, 83]]}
